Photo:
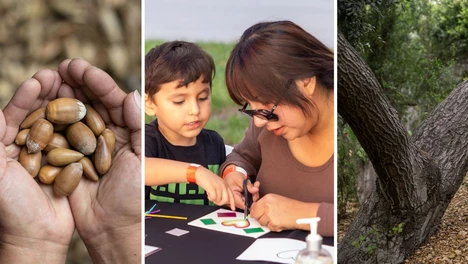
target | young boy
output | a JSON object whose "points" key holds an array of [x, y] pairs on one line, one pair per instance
{"points": [[182, 158]]}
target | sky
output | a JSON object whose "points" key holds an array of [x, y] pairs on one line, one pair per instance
{"points": [[225, 21]]}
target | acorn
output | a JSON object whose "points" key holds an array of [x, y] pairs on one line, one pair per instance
{"points": [[94, 121], [48, 173], [102, 156], [109, 136], [88, 169], [20, 139], [56, 129], [65, 111], [57, 141], [62, 156], [30, 161], [81, 138], [33, 117], [39, 135], [68, 179]]}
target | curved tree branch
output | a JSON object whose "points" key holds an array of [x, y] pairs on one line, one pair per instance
{"points": [[362, 103]]}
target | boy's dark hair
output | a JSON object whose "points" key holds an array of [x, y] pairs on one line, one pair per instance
{"points": [[268, 58], [176, 60]]}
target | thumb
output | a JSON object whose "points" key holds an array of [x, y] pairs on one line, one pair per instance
{"points": [[3, 159], [2, 126], [132, 118], [253, 188]]}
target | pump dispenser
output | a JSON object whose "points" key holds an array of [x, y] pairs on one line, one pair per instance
{"points": [[313, 253]]}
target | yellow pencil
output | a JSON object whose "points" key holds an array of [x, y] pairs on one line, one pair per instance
{"points": [[167, 216]]}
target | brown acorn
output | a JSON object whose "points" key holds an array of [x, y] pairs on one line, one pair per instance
{"points": [[102, 156], [94, 121], [30, 161], [88, 169], [81, 138], [62, 156], [39, 135], [48, 173], [68, 179], [109, 136], [20, 139], [33, 117], [65, 111], [57, 141]]}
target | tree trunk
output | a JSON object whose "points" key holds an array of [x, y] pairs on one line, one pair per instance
{"points": [[416, 176]]}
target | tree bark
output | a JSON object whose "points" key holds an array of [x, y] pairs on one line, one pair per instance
{"points": [[417, 175]]}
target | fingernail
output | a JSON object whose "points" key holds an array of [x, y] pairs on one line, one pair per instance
{"points": [[137, 98]]}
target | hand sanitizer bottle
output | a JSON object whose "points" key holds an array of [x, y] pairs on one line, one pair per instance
{"points": [[313, 253]]}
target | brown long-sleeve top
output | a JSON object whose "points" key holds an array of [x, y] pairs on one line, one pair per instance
{"points": [[263, 154]]}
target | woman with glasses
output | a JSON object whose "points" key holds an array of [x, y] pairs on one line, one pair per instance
{"points": [[283, 77]]}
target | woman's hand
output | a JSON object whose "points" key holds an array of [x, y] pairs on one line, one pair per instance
{"points": [[36, 225], [235, 181], [280, 213]]}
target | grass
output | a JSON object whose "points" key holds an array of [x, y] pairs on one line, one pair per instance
{"points": [[225, 119]]}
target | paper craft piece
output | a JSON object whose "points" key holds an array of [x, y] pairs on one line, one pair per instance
{"points": [[281, 250], [253, 230], [235, 224], [177, 232], [230, 214], [150, 250], [208, 221], [238, 223]]}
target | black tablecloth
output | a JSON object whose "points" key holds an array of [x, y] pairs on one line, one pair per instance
{"points": [[200, 245]]}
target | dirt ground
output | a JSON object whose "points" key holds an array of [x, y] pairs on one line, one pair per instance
{"points": [[448, 245]]}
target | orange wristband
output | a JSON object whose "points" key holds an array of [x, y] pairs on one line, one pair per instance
{"points": [[192, 168], [234, 168]]}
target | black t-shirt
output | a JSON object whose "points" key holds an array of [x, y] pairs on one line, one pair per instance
{"points": [[209, 151]]}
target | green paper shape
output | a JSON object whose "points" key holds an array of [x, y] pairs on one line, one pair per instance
{"points": [[208, 221], [253, 230]]}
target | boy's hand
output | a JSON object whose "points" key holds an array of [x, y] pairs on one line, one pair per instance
{"points": [[36, 225], [217, 189], [235, 182]]}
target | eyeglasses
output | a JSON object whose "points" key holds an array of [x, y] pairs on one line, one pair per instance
{"points": [[260, 113]]}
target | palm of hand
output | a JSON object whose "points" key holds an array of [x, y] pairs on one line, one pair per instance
{"points": [[115, 200], [32, 213]]}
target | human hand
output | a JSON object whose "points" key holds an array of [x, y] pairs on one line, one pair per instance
{"points": [[235, 181], [36, 225], [216, 188], [280, 213], [107, 213]]}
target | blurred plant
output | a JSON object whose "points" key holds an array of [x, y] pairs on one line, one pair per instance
{"points": [[350, 155]]}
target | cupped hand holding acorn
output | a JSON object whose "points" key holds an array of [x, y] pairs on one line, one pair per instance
{"points": [[73, 148]]}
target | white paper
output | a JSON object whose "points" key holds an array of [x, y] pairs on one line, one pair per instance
{"points": [[280, 250], [177, 232], [150, 250], [234, 225]]}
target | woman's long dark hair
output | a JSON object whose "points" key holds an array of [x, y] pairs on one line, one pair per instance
{"points": [[269, 56]]}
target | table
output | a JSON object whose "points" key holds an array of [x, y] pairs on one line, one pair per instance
{"points": [[200, 245]]}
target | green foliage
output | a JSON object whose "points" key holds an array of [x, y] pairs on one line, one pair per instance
{"points": [[356, 19], [225, 118], [369, 240], [451, 29], [416, 49], [230, 126], [411, 46], [350, 155]]}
